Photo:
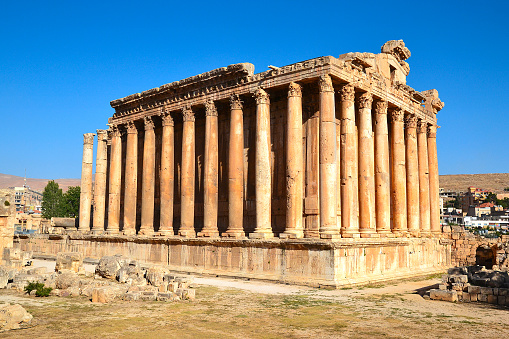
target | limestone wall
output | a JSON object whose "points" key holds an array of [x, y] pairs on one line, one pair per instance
{"points": [[313, 263]]}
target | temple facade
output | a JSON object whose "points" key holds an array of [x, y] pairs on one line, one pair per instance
{"points": [[325, 148]]}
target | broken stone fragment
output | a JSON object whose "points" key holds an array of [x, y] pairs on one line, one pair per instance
{"points": [[13, 317], [447, 295]]}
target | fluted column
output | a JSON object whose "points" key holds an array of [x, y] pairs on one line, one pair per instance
{"points": [[382, 179], [349, 165], [262, 167], [422, 151], [294, 164], [210, 179], [187, 175], [328, 170], [115, 182], [433, 180], [166, 176], [86, 182], [398, 174], [412, 175], [367, 226], [131, 179], [235, 170], [100, 181], [148, 179]]}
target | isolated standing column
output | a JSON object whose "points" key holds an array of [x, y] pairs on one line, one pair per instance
{"points": [[398, 174], [433, 180], [349, 165], [148, 179], [294, 164], [131, 179], [100, 181], [86, 182], [167, 176], [115, 182], [262, 167], [328, 170], [210, 179], [235, 170], [422, 150], [187, 175], [382, 179], [412, 174]]}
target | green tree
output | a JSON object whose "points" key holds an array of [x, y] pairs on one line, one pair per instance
{"points": [[70, 202], [491, 197], [51, 200]]}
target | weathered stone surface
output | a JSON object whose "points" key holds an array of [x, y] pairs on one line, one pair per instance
{"points": [[13, 317], [106, 294], [109, 266], [67, 279], [69, 261], [436, 294]]}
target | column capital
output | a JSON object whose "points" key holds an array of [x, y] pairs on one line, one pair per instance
{"points": [[397, 115], [410, 121], [235, 102], [187, 113], [325, 83], [102, 135], [347, 93], [422, 126], [432, 131], [380, 107], [131, 128], [149, 123], [261, 97], [294, 90], [210, 108], [88, 138], [365, 100], [166, 117], [114, 131]]}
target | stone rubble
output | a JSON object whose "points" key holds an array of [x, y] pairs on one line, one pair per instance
{"points": [[116, 277], [473, 284], [13, 317]]}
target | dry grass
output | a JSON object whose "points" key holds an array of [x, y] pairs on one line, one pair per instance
{"points": [[495, 182]]}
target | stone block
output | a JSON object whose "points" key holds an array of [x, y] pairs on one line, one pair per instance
{"points": [[458, 278], [457, 286], [168, 296], [473, 296], [163, 288], [72, 261], [501, 299], [502, 291], [482, 297], [148, 295], [495, 291], [474, 289], [13, 317], [457, 271], [442, 286], [105, 294], [487, 290], [445, 278], [492, 299], [67, 279], [173, 286], [155, 275], [465, 297], [436, 294], [132, 296]]}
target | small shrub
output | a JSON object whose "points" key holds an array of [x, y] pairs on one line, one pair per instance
{"points": [[40, 290], [6, 203]]}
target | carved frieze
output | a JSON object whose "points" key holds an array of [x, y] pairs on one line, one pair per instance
{"points": [[347, 93], [325, 83], [294, 90], [261, 97], [365, 100], [210, 108]]}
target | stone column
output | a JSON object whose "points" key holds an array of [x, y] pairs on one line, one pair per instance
{"points": [[367, 226], [412, 175], [86, 182], [422, 151], [398, 174], [263, 185], [382, 181], [210, 177], [349, 165], [328, 171], [433, 180], [166, 176], [235, 170], [115, 182], [131, 179], [294, 164], [100, 181], [187, 175], [148, 179]]}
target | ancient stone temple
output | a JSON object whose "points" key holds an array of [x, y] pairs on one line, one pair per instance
{"points": [[322, 172]]}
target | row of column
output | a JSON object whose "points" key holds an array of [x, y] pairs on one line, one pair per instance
{"points": [[374, 182]]}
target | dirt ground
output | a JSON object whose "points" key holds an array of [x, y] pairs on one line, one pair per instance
{"points": [[228, 308]]}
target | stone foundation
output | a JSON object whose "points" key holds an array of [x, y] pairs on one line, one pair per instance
{"points": [[303, 262]]}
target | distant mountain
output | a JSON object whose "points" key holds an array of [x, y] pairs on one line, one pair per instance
{"points": [[494, 182], [7, 180]]}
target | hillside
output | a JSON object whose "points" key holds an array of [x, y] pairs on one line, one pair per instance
{"points": [[495, 182], [7, 180]]}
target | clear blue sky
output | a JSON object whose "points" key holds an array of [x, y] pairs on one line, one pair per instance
{"points": [[62, 62]]}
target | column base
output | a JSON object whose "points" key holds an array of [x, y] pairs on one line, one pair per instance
{"points": [[187, 233], [415, 234], [129, 232], [311, 234], [350, 234], [292, 234], [110, 232], [400, 234], [384, 234], [165, 233], [208, 234], [236, 234], [261, 235], [96, 232], [330, 236], [146, 233], [84, 230], [425, 234], [370, 234]]}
